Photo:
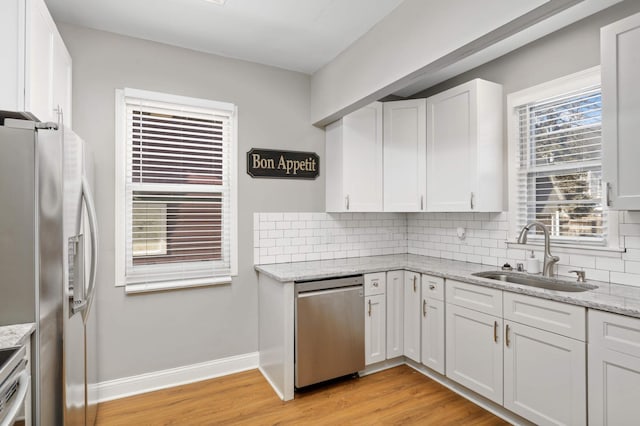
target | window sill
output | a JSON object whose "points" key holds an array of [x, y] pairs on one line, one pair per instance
{"points": [[570, 249], [175, 285]]}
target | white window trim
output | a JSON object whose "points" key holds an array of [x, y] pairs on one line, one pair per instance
{"points": [[120, 194], [569, 83]]}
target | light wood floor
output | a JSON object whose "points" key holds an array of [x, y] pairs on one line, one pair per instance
{"points": [[399, 396]]}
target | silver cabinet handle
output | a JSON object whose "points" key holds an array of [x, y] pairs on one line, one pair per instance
{"points": [[471, 201], [506, 335], [369, 307], [422, 202], [414, 283], [495, 331], [375, 283], [431, 286], [424, 308], [346, 202], [608, 190]]}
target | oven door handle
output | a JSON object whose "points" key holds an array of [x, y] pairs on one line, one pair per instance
{"points": [[23, 387]]}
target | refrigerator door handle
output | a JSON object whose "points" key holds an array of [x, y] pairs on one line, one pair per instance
{"points": [[87, 197], [83, 297]]}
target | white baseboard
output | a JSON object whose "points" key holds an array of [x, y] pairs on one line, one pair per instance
{"points": [[133, 385]]}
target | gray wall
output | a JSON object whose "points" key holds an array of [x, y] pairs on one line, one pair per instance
{"points": [[156, 331], [572, 49]]}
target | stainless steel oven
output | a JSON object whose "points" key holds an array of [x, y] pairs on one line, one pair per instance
{"points": [[329, 329], [15, 382]]}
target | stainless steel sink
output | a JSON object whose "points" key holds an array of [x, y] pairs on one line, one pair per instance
{"points": [[535, 281]]}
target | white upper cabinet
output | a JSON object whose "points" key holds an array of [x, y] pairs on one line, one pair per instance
{"points": [[35, 73], [354, 161], [620, 67], [61, 82], [405, 172], [465, 149]]}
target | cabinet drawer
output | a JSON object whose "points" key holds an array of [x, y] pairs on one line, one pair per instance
{"points": [[432, 287], [616, 332], [375, 283], [478, 298], [556, 317]]}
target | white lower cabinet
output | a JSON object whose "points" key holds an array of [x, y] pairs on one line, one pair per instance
{"points": [[544, 376], [545, 360], [614, 369], [412, 317], [395, 314], [432, 334], [474, 351], [374, 329], [375, 318]]}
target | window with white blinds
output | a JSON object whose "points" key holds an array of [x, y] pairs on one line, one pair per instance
{"points": [[178, 187], [559, 165]]}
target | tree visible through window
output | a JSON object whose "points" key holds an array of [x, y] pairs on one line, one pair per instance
{"points": [[560, 166]]}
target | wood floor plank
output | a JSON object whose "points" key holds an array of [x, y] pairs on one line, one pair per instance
{"points": [[398, 396]]}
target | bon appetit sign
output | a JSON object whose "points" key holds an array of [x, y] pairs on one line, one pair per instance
{"points": [[271, 163]]}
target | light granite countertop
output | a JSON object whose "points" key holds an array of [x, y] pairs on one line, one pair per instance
{"points": [[13, 336], [616, 298]]}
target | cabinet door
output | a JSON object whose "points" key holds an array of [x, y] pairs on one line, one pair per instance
{"points": [[613, 369], [395, 314], [620, 67], [354, 161], [374, 329], [405, 175], [61, 80], [544, 376], [451, 150], [362, 153], [12, 28], [432, 333], [464, 148], [412, 317], [474, 351], [39, 61]]}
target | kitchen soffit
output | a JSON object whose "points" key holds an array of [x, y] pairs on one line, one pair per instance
{"points": [[291, 34]]}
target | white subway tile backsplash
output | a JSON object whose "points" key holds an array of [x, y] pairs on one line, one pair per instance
{"points": [[609, 264], [632, 229], [624, 278], [305, 236], [632, 267], [631, 254], [582, 261]]}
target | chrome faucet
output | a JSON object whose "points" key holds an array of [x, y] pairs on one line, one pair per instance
{"points": [[549, 259]]}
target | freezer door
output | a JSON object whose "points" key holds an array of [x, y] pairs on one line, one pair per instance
{"points": [[50, 272], [74, 278]]}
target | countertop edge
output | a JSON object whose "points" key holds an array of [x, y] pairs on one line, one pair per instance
{"points": [[15, 335], [603, 298]]}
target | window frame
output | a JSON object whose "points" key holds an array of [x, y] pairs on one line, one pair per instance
{"points": [[120, 204], [569, 83]]}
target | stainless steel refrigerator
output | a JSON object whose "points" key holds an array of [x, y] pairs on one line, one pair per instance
{"points": [[48, 260]]}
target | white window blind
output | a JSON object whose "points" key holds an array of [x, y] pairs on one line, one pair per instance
{"points": [[178, 209], [560, 166]]}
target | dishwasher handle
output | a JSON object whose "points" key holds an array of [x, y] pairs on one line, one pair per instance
{"points": [[329, 291], [23, 386]]}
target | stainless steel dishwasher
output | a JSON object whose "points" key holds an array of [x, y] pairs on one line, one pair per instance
{"points": [[329, 329]]}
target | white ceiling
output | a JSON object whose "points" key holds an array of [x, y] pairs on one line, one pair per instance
{"points": [[299, 35]]}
